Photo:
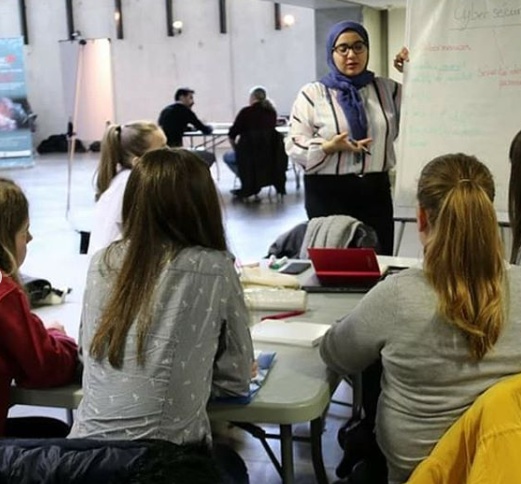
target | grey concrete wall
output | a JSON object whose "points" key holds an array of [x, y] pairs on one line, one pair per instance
{"points": [[149, 66], [324, 20]]}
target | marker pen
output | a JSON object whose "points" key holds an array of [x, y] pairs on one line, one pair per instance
{"points": [[362, 147]]}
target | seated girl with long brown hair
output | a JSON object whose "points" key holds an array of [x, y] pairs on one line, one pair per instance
{"points": [[164, 321]]}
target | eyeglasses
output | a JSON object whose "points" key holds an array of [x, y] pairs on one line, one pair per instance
{"points": [[358, 47]]}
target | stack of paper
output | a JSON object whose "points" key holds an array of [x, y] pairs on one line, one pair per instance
{"points": [[265, 299], [297, 333], [262, 276]]}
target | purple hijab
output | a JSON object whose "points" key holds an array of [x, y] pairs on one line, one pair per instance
{"points": [[348, 97]]}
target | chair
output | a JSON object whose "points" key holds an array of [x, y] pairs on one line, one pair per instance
{"points": [[338, 231], [84, 241], [291, 166], [296, 172], [84, 461], [261, 161], [289, 244]]}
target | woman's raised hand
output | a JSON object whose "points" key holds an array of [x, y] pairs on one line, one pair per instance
{"points": [[401, 58], [336, 143]]}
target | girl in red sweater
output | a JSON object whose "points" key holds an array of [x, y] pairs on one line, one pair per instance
{"points": [[31, 354]]}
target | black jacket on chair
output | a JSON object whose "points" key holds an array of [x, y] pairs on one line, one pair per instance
{"points": [[289, 243], [85, 461], [262, 161]]}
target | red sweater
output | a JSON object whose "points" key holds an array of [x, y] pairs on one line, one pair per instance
{"points": [[30, 354]]}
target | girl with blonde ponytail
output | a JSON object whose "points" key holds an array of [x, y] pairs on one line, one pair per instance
{"points": [[466, 269], [445, 332], [120, 147]]}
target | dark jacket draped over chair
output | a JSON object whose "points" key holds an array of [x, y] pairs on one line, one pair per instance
{"points": [[290, 243], [85, 461], [262, 161]]}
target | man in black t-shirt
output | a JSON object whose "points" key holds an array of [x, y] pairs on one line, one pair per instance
{"points": [[176, 118]]}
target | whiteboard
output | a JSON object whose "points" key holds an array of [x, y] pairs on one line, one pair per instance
{"points": [[462, 88], [88, 86]]}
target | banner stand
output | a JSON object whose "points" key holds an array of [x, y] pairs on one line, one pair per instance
{"points": [[16, 141]]}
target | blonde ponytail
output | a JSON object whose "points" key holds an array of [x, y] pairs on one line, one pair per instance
{"points": [[120, 145], [111, 156], [464, 253]]}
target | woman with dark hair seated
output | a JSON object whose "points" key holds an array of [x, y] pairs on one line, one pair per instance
{"points": [[164, 322]]}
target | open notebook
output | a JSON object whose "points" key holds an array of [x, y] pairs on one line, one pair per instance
{"points": [[296, 333]]}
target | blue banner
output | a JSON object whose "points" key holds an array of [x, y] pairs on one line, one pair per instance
{"points": [[16, 118]]}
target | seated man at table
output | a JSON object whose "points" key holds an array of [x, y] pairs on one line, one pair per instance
{"points": [[259, 115], [444, 333], [176, 118]]}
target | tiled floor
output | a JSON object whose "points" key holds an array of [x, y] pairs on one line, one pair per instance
{"points": [[251, 228]]}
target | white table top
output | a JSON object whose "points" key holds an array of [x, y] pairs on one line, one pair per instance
{"points": [[408, 214], [297, 389], [221, 129], [67, 271]]}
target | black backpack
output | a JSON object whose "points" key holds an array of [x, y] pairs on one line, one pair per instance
{"points": [[58, 143]]}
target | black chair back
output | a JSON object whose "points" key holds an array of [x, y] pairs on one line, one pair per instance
{"points": [[261, 161]]}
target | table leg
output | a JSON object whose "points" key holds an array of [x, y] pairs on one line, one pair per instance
{"points": [[316, 428], [297, 175], [356, 386], [69, 416], [286, 454], [400, 236], [217, 169]]}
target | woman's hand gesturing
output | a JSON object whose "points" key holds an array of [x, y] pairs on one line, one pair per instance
{"points": [[401, 58]]}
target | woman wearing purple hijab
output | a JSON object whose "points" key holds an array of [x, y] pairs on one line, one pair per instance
{"points": [[342, 133]]}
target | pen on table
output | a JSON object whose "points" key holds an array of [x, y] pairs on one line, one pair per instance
{"points": [[288, 314], [362, 147]]}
